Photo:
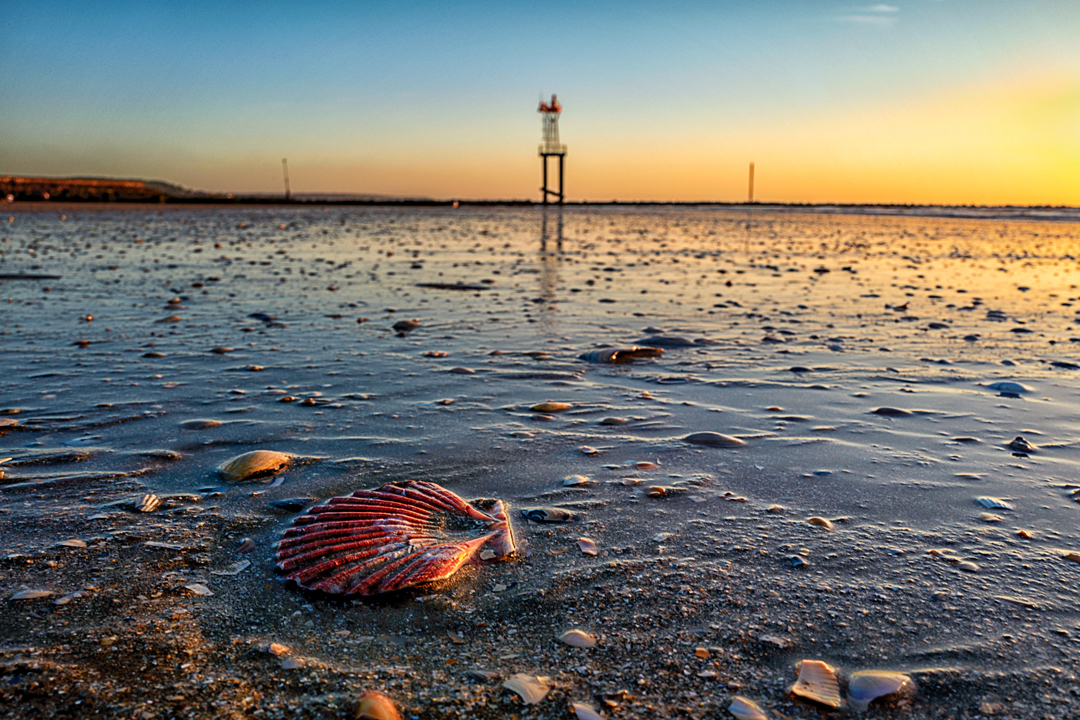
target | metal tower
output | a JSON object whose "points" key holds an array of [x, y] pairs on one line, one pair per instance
{"points": [[550, 147]]}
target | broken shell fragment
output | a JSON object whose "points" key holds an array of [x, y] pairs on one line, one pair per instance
{"points": [[621, 355], [530, 688], [586, 712], [398, 536], [375, 706], [868, 685], [713, 439], [993, 503], [587, 546], [577, 481], [31, 594], [817, 682], [550, 407], [548, 515], [254, 464], [578, 638], [148, 503], [821, 522], [1074, 556], [745, 709]]}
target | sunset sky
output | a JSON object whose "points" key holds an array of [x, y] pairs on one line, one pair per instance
{"points": [[913, 101]]}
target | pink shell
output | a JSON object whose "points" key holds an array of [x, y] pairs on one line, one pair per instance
{"points": [[377, 541]]}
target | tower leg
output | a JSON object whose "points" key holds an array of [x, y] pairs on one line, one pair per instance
{"points": [[544, 189], [562, 193]]}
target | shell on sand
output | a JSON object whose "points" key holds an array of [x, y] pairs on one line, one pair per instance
{"points": [[821, 522], [550, 407], [585, 712], [253, 464], [745, 709], [868, 685], [398, 536], [375, 706], [578, 638], [621, 355], [587, 546], [817, 682], [713, 439], [530, 688]]}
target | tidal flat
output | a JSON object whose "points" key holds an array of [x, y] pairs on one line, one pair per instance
{"points": [[858, 444]]}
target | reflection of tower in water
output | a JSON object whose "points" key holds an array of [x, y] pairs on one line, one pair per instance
{"points": [[549, 264]]}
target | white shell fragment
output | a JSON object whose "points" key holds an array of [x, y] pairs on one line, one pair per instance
{"points": [[31, 594], [745, 709], [576, 481], [587, 546], [253, 464], [586, 712], [993, 503], [530, 688], [234, 569], [821, 522], [578, 638], [868, 685], [199, 589], [817, 682]]}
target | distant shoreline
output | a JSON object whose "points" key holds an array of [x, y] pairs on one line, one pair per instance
{"points": [[957, 212]]}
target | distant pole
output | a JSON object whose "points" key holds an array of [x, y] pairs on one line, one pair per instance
{"points": [[285, 170], [751, 182]]}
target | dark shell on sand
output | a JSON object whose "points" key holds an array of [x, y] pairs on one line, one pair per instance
{"points": [[401, 535], [621, 355]]}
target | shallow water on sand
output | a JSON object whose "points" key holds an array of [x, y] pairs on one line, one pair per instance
{"points": [[859, 358]]}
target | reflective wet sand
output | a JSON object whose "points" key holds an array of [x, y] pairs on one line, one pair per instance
{"points": [[878, 370]]}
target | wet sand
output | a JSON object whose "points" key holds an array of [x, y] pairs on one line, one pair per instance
{"points": [[860, 358]]}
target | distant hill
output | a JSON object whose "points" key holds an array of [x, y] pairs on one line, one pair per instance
{"points": [[77, 189]]}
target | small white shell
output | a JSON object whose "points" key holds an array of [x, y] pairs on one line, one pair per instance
{"points": [[745, 709], [31, 594], [868, 685], [817, 682], [587, 546], [530, 688], [578, 638], [576, 481], [993, 503], [586, 712], [1007, 386]]}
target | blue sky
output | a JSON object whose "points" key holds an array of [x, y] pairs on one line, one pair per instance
{"points": [[662, 101]]}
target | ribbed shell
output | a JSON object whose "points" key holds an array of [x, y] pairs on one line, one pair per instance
{"points": [[377, 541]]}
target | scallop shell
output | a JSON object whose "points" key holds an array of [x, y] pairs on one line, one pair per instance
{"points": [[253, 464], [868, 685], [745, 709], [578, 638], [148, 503], [377, 541], [550, 407], [530, 688], [713, 439], [375, 706], [621, 355], [817, 682]]}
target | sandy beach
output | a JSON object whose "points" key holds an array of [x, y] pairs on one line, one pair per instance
{"points": [[910, 380]]}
